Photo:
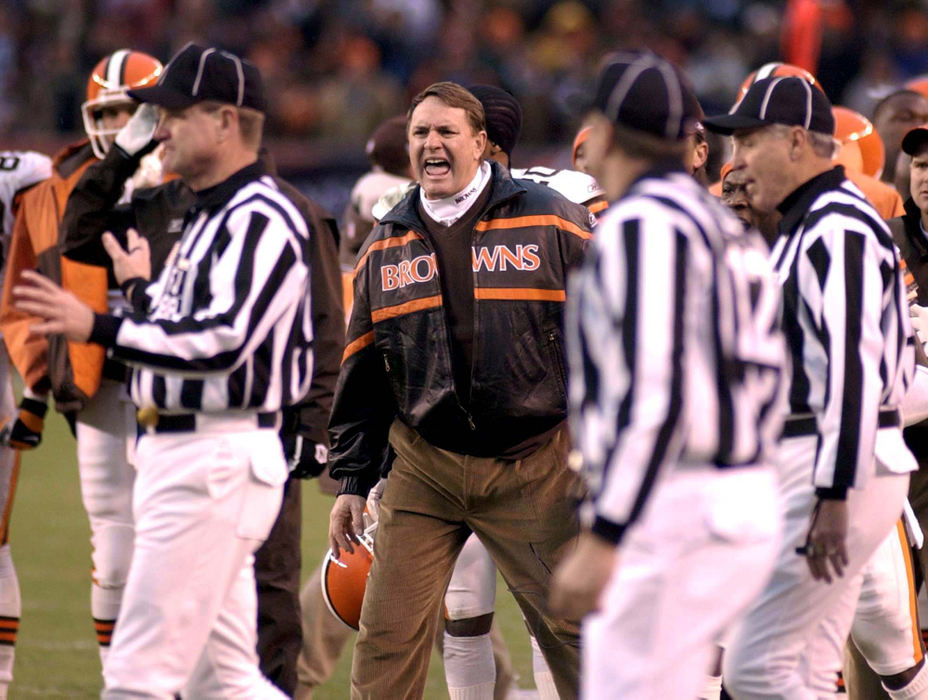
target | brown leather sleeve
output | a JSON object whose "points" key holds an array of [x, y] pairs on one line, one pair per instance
{"points": [[328, 324]]}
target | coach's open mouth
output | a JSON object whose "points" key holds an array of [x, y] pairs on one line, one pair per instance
{"points": [[436, 167]]}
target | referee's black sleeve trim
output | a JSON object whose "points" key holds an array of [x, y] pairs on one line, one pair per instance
{"points": [[608, 530], [838, 493], [105, 328]]}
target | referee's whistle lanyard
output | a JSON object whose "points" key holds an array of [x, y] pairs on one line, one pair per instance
{"points": [[808, 549]]}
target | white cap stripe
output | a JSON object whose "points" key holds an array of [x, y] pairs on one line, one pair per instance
{"points": [[674, 100], [768, 93], [808, 90], [240, 74], [622, 88], [195, 90]]}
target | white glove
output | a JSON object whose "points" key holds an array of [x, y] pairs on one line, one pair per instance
{"points": [[919, 315], [139, 130], [372, 512]]}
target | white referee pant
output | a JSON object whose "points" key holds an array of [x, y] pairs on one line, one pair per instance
{"points": [[203, 503], [790, 644], [701, 553]]}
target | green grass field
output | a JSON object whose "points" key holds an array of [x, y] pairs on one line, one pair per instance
{"points": [[56, 655]]}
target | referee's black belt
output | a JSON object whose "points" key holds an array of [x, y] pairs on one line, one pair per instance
{"points": [[799, 425], [154, 422]]}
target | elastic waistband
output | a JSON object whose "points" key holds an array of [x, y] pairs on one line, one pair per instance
{"points": [[799, 425], [150, 421]]}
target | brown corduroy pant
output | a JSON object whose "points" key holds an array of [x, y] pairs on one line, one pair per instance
{"points": [[524, 512]]}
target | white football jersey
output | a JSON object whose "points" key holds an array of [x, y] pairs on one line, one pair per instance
{"points": [[18, 170], [578, 187]]}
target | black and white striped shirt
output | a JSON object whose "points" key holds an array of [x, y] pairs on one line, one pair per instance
{"points": [[846, 322], [674, 347], [228, 324]]}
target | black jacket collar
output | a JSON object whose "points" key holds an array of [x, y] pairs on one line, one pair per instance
{"points": [[406, 213], [796, 205], [912, 224], [217, 195]]}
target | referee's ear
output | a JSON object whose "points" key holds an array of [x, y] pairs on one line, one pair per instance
{"points": [[798, 138], [227, 116]]}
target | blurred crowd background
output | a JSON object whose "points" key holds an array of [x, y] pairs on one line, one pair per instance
{"points": [[335, 69]]}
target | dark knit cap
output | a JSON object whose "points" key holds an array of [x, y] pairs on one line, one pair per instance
{"points": [[388, 146], [503, 115]]}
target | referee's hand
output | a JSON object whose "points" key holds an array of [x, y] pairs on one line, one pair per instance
{"points": [[346, 523], [60, 311], [134, 261], [579, 580], [827, 542]]}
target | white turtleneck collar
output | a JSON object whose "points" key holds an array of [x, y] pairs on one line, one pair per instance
{"points": [[447, 210]]}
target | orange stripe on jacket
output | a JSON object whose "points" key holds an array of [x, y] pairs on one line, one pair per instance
{"points": [[387, 243], [526, 221], [358, 344], [598, 206], [406, 308], [913, 603], [520, 294]]}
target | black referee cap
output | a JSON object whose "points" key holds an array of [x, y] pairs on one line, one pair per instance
{"points": [[786, 100], [197, 74], [503, 115], [645, 92], [914, 139]]}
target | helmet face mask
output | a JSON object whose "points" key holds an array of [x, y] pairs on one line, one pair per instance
{"points": [[107, 88]]}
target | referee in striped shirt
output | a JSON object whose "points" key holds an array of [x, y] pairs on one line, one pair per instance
{"points": [[844, 468], [675, 366], [223, 343]]}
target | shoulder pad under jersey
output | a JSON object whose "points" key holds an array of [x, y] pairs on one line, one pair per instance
{"points": [[390, 199], [19, 170], [576, 186]]}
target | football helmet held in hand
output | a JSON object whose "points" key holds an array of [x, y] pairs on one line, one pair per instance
{"points": [[344, 580]]}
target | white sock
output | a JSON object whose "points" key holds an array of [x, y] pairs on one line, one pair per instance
{"points": [[544, 681], [10, 611], [711, 688], [469, 667], [104, 606], [915, 689]]}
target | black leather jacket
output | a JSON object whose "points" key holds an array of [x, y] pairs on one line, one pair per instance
{"points": [[397, 361], [913, 248]]}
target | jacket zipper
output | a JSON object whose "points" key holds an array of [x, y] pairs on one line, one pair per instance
{"points": [[467, 415]]}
